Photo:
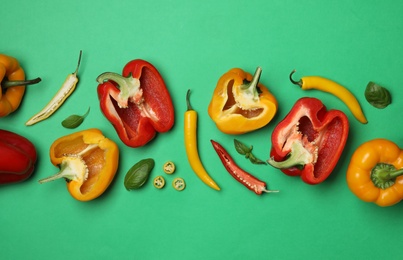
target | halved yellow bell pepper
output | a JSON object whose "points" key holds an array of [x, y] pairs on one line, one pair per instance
{"points": [[87, 160], [240, 104]]}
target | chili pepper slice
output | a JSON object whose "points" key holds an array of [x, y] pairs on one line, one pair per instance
{"points": [[179, 184], [192, 152], [243, 177], [169, 167], [159, 182]]}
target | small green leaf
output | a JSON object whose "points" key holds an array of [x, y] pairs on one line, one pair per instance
{"points": [[377, 95], [241, 148], [74, 121], [138, 174]]}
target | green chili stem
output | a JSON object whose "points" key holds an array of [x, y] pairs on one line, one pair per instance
{"points": [[299, 83], [12, 83], [189, 107]]}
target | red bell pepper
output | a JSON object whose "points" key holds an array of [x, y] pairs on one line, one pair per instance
{"points": [[137, 103], [17, 157], [309, 141]]}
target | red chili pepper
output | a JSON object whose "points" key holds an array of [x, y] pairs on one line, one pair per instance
{"points": [[17, 157], [245, 178], [309, 140], [137, 103]]}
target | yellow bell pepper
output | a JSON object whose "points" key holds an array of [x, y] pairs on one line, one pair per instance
{"points": [[375, 172], [240, 104], [87, 160]]}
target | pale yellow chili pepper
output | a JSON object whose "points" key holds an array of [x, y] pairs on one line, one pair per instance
{"points": [[64, 92], [191, 146], [329, 86]]}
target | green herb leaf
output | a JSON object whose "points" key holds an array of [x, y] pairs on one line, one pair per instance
{"points": [[241, 148], [377, 95], [138, 174], [74, 121]]}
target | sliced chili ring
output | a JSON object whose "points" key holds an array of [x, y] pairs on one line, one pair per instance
{"points": [[179, 184], [159, 182], [169, 167]]}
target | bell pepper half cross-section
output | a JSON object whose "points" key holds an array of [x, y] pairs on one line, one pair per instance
{"points": [[137, 103], [309, 141]]}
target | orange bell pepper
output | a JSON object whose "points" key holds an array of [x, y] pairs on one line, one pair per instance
{"points": [[375, 172], [12, 82], [240, 104], [87, 160]]}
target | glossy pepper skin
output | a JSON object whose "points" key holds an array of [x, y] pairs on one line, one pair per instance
{"points": [[137, 103], [241, 104], [87, 160], [11, 99], [375, 172], [17, 157], [309, 141]]}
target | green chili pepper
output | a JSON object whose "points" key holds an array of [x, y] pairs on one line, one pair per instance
{"points": [[377, 95], [138, 174]]}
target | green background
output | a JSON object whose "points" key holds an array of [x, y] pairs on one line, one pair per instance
{"points": [[192, 44]]}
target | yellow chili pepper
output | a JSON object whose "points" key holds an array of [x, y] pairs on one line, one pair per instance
{"points": [[191, 146], [12, 84], [87, 160], [329, 86], [375, 172], [64, 92]]}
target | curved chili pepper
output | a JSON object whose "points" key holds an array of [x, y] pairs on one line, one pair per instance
{"points": [[192, 153], [329, 86], [137, 103], [375, 172], [17, 157], [245, 178], [12, 90]]}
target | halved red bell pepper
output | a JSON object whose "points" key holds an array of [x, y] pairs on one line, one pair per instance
{"points": [[309, 140], [137, 103], [17, 157]]}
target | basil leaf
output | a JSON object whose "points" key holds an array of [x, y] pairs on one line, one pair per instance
{"points": [[247, 151], [74, 121], [138, 174], [241, 148], [377, 95]]}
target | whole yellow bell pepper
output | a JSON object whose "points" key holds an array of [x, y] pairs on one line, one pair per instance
{"points": [[375, 172], [12, 84], [240, 104]]}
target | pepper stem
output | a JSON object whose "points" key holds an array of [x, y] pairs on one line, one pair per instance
{"points": [[298, 156], [250, 88], [299, 83], [189, 107], [12, 83], [72, 168], [129, 87], [384, 175], [270, 191]]}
